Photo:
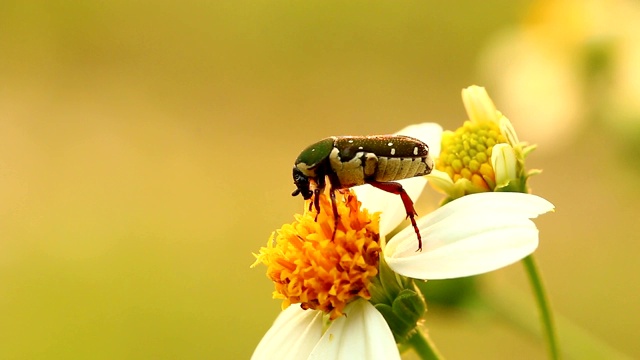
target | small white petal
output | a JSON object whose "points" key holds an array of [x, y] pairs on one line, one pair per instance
{"points": [[508, 131], [471, 235], [292, 336], [361, 334], [478, 104], [504, 162], [441, 180]]}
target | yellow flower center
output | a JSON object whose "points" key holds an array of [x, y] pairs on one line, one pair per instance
{"points": [[466, 153], [310, 268]]}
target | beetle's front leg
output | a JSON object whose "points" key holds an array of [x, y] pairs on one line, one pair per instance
{"points": [[396, 188], [316, 202], [316, 195], [336, 216]]}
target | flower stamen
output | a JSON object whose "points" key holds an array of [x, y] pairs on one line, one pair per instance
{"points": [[309, 268], [466, 153], [484, 154]]}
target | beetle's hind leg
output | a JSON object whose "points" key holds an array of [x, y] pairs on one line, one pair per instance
{"points": [[396, 188]]}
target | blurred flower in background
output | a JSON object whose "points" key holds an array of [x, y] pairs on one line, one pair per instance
{"points": [[569, 61]]}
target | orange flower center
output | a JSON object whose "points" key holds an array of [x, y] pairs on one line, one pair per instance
{"points": [[309, 268]]}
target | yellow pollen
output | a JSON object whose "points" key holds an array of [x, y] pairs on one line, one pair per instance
{"points": [[309, 268], [466, 153]]}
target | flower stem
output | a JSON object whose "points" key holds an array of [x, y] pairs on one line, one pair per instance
{"points": [[546, 316], [423, 346]]}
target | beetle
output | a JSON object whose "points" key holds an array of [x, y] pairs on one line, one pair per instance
{"points": [[348, 161]]}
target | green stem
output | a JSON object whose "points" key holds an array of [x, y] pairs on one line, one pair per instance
{"points": [[423, 346], [546, 316], [512, 306]]}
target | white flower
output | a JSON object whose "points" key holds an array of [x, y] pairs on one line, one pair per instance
{"points": [[297, 334], [293, 335], [471, 235]]}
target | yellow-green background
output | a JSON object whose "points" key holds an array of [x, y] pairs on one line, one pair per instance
{"points": [[146, 148]]}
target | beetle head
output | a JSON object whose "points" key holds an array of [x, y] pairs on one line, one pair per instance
{"points": [[302, 182]]}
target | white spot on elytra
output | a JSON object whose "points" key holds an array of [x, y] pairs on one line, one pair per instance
{"points": [[393, 151], [390, 144], [415, 150], [360, 148], [350, 141]]}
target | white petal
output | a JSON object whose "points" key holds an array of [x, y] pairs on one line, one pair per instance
{"points": [[429, 133], [471, 235], [376, 200], [292, 336], [361, 334]]}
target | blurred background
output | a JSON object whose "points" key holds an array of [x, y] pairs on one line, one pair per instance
{"points": [[146, 150]]}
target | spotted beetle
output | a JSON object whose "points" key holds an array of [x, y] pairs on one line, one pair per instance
{"points": [[349, 161]]}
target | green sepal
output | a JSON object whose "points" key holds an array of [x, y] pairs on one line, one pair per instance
{"points": [[534, 172], [450, 293], [399, 301], [515, 185], [526, 150], [403, 314], [411, 304], [387, 285]]}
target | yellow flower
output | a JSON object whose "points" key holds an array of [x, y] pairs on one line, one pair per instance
{"points": [[484, 154]]}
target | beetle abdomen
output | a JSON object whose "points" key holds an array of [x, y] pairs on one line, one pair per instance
{"points": [[364, 167], [352, 172], [390, 169]]}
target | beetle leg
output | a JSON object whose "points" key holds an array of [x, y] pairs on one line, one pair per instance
{"points": [[336, 216], [316, 195], [396, 188], [316, 202]]}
